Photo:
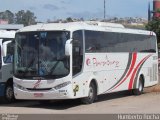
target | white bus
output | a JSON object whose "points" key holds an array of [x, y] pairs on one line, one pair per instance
{"points": [[7, 35], [82, 60], [6, 57]]}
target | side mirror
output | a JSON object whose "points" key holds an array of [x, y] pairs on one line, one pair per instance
{"points": [[68, 48], [4, 48]]}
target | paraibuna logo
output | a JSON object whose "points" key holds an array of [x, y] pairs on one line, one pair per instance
{"points": [[95, 61]]}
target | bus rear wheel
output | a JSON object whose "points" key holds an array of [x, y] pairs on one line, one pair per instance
{"points": [[92, 94], [140, 88]]}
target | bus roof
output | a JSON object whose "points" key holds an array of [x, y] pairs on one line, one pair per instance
{"points": [[7, 34], [11, 26], [87, 25]]}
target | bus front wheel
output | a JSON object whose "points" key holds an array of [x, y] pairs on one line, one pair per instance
{"points": [[9, 94], [92, 94]]}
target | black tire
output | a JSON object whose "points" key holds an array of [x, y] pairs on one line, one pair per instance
{"points": [[92, 95], [8, 94], [140, 88]]}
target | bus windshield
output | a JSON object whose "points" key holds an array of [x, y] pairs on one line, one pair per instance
{"points": [[41, 54]]}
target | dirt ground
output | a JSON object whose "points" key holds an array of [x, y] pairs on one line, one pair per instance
{"points": [[114, 103], [155, 88]]}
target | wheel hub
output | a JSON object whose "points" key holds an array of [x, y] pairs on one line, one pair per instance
{"points": [[91, 93], [9, 93], [140, 86]]}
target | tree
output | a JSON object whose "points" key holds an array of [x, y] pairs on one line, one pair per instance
{"points": [[19, 17], [26, 18], [69, 19], [7, 15], [81, 19], [154, 25]]}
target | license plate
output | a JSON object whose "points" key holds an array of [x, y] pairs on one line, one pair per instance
{"points": [[38, 94]]}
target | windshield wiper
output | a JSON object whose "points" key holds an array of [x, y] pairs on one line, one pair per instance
{"points": [[29, 65], [44, 64], [53, 68]]}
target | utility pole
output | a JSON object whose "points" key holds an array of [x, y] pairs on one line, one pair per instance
{"points": [[104, 9]]}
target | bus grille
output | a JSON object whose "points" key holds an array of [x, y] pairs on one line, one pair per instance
{"points": [[39, 89], [155, 68]]}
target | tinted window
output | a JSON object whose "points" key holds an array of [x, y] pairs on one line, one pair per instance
{"points": [[41, 54], [77, 51], [96, 41], [9, 57]]}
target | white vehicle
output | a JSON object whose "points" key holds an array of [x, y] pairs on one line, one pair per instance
{"points": [[6, 57], [82, 60]]}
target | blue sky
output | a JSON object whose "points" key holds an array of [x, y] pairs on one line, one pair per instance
{"points": [[57, 9]]}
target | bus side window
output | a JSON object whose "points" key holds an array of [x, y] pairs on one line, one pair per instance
{"points": [[77, 51], [9, 56]]}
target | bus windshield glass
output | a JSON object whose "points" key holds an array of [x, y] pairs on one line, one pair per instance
{"points": [[41, 54]]}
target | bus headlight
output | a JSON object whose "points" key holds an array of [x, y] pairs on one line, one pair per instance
{"points": [[19, 87], [62, 85]]}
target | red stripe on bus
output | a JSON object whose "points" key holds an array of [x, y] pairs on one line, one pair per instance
{"points": [[135, 71], [125, 72], [37, 84], [134, 57]]}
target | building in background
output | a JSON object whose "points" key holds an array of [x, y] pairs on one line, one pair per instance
{"points": [[4, 25], [3, 21]]}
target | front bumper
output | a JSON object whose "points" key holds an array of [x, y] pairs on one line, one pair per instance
{"points": [[40, 95]]}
